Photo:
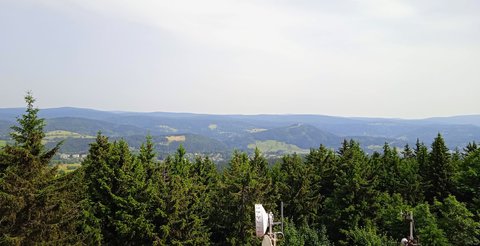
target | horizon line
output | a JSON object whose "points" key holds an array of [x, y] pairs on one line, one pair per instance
{"points": [[247, 114]]}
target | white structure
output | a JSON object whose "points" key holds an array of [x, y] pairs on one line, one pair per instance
{"points": [[261, 220], [264, 221]]}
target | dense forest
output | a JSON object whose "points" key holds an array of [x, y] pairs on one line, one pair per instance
{"points": [[331, 197]]}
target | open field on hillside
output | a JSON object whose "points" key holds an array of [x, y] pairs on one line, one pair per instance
{"points": [[66, 168], [270, 146], [64, 134], [175, 139]]}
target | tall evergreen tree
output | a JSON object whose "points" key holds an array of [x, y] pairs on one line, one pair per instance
{"points": [[468, 181], [389, 170], [439, 171], [181, 202], [296, 190], [421, 156], [207, 178], [114, 210], [241, 187], [352, 203], [321, 165], [410, 181], [31, 208]]}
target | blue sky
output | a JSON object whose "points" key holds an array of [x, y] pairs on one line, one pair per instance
{"points": [[407, 59]]}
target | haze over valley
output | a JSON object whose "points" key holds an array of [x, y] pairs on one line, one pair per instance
{"points": [[219, 135]]}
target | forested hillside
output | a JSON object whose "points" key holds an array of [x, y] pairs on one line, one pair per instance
{"points": [[331, 197], [275, 135]]}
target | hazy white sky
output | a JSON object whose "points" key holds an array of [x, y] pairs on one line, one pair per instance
{"points": [[383, 58]]}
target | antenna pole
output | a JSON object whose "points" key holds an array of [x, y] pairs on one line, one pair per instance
{"points": [[281, 212], [270, 228], [411, 225]]}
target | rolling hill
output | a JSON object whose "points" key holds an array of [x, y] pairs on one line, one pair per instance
{"points": [[222, 133]]}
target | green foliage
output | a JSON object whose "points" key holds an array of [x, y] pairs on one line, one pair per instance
{"points": [[331, 198], [389, 170], [438, 177], [427, 227], [296, 189], [243, 184], [352, 201], [454, 218], [368, 236], [34, 203], [468, 180], [29, 133], [389, 217], [114, 210], [185, 201], [410, 181], [304, 235]]}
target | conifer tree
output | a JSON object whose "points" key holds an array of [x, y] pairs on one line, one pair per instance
{"points": [[241, 187], [426, 226], [459, 223], [471, 147], [439, 171], [321, 167], [400, 175], [31, 206], [181, 202], [389, 170], [421, 156], [115, 212], [207, 178], [468, 181], [296, 188], [147, 156], [410, 181], [407, 152], [352, 203]]}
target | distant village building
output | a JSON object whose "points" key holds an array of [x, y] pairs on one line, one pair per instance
{"points": [[64, 156]]}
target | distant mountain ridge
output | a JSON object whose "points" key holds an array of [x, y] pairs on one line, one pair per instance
{"points": [[219, 133]]}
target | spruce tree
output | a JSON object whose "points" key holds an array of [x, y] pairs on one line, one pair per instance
{"points": [[389, 170], [439, 171], [468, 181], [352, 203], [115, 207], [241, 187], [295, 188], [321, 165], [180, 202], [471, 147], [421, 156], [410, 181], [32, 210]]}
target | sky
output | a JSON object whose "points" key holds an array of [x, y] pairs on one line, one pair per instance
{"points": [[373, 58]]}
